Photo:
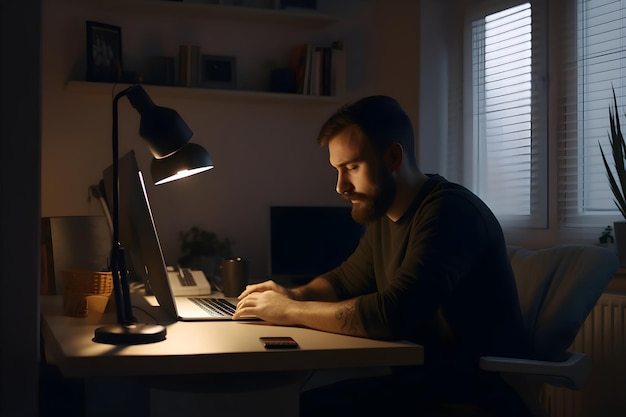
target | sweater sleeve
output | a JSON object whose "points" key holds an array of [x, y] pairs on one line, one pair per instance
{"points": [[355, 276]]}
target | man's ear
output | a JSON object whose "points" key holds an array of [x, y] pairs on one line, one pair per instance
{"points": [[393, 156]]}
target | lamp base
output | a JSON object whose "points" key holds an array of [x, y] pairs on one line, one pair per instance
{"points": [[130, 334]]}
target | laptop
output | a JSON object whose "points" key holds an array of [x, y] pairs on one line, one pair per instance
{"points": [[144, 256]]}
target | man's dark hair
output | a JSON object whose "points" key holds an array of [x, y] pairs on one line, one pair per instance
{"points": [[381, 119]]}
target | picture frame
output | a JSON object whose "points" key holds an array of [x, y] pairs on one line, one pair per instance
{"points": [[104, 52], [218, 71]]}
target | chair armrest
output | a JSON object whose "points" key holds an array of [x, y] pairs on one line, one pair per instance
{"points": [[572, 372]]}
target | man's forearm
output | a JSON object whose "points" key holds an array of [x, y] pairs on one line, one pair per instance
{"points": [[336, 317], [347, 318], [318, 289]]}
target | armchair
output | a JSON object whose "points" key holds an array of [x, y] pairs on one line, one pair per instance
{"points": [[557, 289]]}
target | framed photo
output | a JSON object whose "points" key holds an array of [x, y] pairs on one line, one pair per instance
{"points": [[104, 52], [218, 71]]}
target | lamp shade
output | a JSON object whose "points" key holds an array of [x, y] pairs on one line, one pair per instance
{"points": [[163, 128], [189, 160]]}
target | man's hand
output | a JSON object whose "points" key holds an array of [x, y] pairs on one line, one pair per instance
{"points": [[313, 305], [262, 287], [265, 303]]}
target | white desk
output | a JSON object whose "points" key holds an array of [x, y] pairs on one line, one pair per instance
{"points": [[212, 352]]}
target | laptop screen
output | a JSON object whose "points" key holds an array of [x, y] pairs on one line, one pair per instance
{"points": [[138, 233], [307, 241]]}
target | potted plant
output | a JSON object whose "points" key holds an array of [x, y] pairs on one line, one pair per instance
{"points": [[618, 181], [203, 250], [606, 238]]}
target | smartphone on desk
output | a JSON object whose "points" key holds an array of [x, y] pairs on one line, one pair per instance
{"points": [[279, 342]]}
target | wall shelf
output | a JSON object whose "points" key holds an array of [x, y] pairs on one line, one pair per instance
{"points": [[205, 10], [88, 87], [217, 11]]}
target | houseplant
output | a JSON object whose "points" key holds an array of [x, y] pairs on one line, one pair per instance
{"points": [[606, 238], [203, 250], [617, 181]]}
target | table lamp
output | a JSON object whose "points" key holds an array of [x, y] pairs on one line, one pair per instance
{"points": [[167, 136]]}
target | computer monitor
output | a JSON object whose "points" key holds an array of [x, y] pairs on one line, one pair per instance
{"points": [[307, 241]]}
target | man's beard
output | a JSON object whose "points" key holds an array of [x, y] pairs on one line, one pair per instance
{"points": [[367, 208]]}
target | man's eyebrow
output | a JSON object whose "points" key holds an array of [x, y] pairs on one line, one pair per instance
{"points": [[344, 163]]}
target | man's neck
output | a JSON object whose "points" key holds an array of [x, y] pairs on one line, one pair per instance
{"points": [[408, 188]]}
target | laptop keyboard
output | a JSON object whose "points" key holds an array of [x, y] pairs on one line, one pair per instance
{"points": [[215, 307]]}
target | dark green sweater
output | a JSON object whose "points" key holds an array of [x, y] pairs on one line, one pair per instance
{"points": [[439, 276]]}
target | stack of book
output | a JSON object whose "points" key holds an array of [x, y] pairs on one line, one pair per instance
{"points": [[320, 69]]}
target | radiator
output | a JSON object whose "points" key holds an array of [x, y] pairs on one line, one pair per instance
{"points": [[603, 338]]}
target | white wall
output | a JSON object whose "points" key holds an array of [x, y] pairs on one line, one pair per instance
{"points": [[265, 151]]}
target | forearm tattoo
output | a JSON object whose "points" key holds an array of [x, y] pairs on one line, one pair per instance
{"points": [[346, 313]]}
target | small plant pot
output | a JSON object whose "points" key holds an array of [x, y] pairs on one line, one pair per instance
{"points": [[620, 241]]}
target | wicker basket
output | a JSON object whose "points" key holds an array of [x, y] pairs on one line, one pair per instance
{"points": [[82, 287]]}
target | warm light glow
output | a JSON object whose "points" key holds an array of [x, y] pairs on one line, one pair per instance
{"points": [[182, 174]]}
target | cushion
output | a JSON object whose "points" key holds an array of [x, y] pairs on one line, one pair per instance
{"points": [[557, 288]]}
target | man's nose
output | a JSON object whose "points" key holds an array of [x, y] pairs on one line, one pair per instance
{"points": [[342, 185]]}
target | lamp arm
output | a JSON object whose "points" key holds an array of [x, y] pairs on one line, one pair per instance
{"points": [[121, 289], [138, 98]]}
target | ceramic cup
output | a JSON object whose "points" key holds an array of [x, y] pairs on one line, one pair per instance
{"points": [[234, 276]]}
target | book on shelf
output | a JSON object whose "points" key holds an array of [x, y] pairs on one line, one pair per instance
{"points": [[326, 69], [299, 63], [189, 65], [317, 71], [320, 69], [338, 69]]}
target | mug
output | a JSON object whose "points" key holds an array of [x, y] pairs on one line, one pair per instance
{"points": [[234, 276]]}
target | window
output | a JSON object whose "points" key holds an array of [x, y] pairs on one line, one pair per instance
{"points": [[504, 127], [594, 64], [498, 138]]}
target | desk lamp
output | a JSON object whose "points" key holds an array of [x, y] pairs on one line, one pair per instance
{"points": [[167, 136]]}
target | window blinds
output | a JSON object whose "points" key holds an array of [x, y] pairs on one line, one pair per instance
{"points": [[594, 63], [508, 104]]}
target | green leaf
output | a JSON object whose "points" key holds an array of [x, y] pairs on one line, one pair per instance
{"points": [[618, 149]]}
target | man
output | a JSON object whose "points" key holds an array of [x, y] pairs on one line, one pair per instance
{"points": [[431, 268]]}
